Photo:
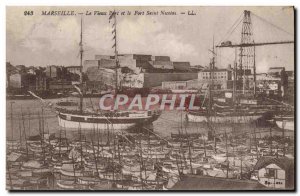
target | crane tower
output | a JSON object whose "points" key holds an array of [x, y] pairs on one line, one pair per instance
{"points": [[246, 64]]}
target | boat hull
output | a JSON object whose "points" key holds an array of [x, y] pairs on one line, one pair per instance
{"points": [[71, 173], [196, 118], [222, 119], [113, 123], [86, 125], [288, 125]]}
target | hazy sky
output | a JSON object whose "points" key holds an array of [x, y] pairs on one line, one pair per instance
{"points": [[42, 40]]}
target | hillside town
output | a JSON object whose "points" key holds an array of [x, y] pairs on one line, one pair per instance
{"points": [[218, 126], [140, 72]]}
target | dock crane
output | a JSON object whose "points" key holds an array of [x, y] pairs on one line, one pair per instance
{"points": [[248, 45]]}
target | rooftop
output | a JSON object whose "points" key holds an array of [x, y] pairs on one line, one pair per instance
{"points": [[215, 70], [276, 68], [193, 182], [73, 66], [283, 162]]}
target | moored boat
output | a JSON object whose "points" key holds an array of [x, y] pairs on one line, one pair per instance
{"points": [[66, 185], [285, 122], [110, 120]]}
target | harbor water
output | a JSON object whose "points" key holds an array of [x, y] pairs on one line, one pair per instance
{"points": [[26, 115]]}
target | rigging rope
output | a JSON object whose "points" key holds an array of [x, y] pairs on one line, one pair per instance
{"points": [[279, 28], [228, 32]]}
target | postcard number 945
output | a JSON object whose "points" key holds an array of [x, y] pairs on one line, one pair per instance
{"points": [[28, 13]]}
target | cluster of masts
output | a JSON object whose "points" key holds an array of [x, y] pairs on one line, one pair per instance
{"points": [[246, 47], [112, 18], [185, 152], [247, 53]]}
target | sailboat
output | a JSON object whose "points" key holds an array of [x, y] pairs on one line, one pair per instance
{"points": [[224, 116], [106, 119], [234, 112], [285, 121]]}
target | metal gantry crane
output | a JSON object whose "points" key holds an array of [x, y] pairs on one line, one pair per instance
{"points": [[247, 50]]}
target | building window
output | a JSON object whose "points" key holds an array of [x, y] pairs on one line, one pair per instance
{"points": [[271, 173]]}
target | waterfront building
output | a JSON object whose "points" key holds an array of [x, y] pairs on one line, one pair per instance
{"points": [[275, 172], [216, 74], [199, 182], [99, 78], [73, 69], [275, 71], [182, 66], [137, 70], [52, 71], [162, 64], [60, 86]]}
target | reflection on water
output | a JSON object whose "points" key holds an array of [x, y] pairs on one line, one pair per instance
{"points": [[28, 113]]}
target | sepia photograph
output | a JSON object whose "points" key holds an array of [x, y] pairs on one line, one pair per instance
{"points": [[150, 98]]}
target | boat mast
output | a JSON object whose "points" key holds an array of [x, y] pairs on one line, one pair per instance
{"points": [[234, 78], [24, 131], [227, 161], [254, 71], [29, 117], [81, 74], [12, 123], [96, 158], [114, 33], [211, 67], [212, 85]]}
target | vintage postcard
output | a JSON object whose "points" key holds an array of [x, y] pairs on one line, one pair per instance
{"points": [[150, 98]]}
